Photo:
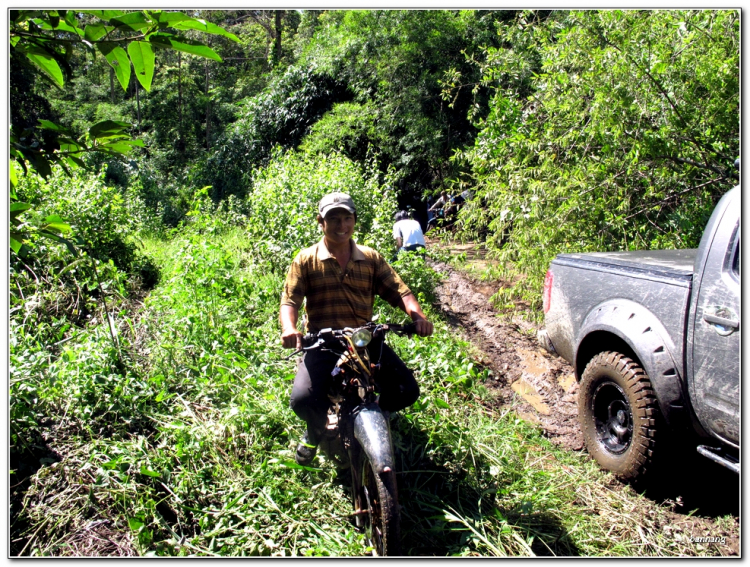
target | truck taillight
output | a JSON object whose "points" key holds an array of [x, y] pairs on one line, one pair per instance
{"points": [[547, 294]]}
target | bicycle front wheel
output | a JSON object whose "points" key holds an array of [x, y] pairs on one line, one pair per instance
{"points": [[382, 521]]}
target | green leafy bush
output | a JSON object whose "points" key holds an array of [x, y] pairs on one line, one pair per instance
{"points": [[348, 128], [52, 286], [280, 115], [99, 215], [283, 205], [395, 62], [626, 140], [420, 277]]}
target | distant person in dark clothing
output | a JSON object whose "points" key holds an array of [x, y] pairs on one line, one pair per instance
{"points": [[455, 204], [438, 208], [441, 202]]}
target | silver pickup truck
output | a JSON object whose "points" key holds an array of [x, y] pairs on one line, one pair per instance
{"points": [[654, 338]]}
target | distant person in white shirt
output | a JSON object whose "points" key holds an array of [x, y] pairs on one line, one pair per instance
{"points": [[407, 232]]}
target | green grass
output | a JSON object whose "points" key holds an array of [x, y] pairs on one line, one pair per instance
{"points": [[187, 448]]}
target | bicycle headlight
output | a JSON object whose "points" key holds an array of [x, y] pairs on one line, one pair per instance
{"points": [[361, 338]]}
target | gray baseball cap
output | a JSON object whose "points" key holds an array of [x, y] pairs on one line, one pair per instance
{"points": [[335, 201]]}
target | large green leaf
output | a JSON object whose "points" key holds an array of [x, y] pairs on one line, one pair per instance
{"points": [[57, 24], [95, 32], [108, 129], [46, 63], [149, 472], [74, 161], [185, 45], [202, 25], [15, 241], [57, 238], [54, 18], [47, 125], [117, 57], [17, 208], [168, 17], [68, 145], [120, 146], [104, 14], [64, 26], [134, 21], [38, 161], [70, 17], [142, 55], [55, 223], [13, 177], [181, 21]]}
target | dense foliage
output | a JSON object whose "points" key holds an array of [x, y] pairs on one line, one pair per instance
{"points": [[395, 63], [626, 141], [280, 115], [283, 205]]}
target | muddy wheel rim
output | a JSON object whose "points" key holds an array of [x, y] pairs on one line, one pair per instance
{"points": [[613, 418]]}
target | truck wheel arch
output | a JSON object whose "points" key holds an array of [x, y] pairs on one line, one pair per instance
{"points": [[629, 328]]}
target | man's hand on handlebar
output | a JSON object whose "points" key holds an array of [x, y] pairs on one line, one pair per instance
{"points": [[291, 338], [423, 327], [410, 305]]}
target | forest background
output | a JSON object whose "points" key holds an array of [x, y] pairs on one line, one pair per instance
{"points": [[154, 212]]}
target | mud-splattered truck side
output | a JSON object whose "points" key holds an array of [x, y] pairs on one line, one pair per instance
{"points": [[654, 338]]}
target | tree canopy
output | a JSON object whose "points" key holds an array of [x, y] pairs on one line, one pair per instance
{"points": [[574, 129], [607, 130]]}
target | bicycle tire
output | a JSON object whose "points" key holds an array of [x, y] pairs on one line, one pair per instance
{"points": [[383, 519]]}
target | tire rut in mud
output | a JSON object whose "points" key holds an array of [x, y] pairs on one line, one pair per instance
{"points": [[541, 388]]}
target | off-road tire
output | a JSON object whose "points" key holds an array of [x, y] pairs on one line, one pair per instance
{"points": [[619, 413], [382, 523]]}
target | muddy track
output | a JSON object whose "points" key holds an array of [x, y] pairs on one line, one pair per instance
{"points": [[541, 387]]}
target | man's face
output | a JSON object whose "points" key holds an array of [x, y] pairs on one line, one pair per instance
{"points": [[338, 226]]}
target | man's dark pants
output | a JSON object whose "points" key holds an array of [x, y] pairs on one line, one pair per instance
{"points": [[309, 399]]}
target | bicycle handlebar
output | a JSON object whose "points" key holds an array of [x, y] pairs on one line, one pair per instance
{"points": [[312, 341]]}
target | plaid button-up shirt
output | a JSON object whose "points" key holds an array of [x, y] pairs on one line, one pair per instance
{"points": [[339, 298]]}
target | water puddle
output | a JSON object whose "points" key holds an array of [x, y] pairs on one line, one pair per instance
{"points": [[529, 393], [566, 382], [534, 368]]}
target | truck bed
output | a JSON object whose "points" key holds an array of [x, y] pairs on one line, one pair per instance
{"points": [[660, 280]]}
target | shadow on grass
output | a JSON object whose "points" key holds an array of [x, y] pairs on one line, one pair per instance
{"points": [[440, 505], [25, 465], [695, 484], [40, 453]]}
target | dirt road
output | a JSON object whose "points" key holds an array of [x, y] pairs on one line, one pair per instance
{"points": [[545, 386]]}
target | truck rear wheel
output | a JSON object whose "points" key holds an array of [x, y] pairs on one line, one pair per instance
{"points": [[618, 412]]}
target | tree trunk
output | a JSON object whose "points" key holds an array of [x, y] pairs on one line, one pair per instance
{"points": [[112, 83], [179, 102], [208, 112], [278, 35]]}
